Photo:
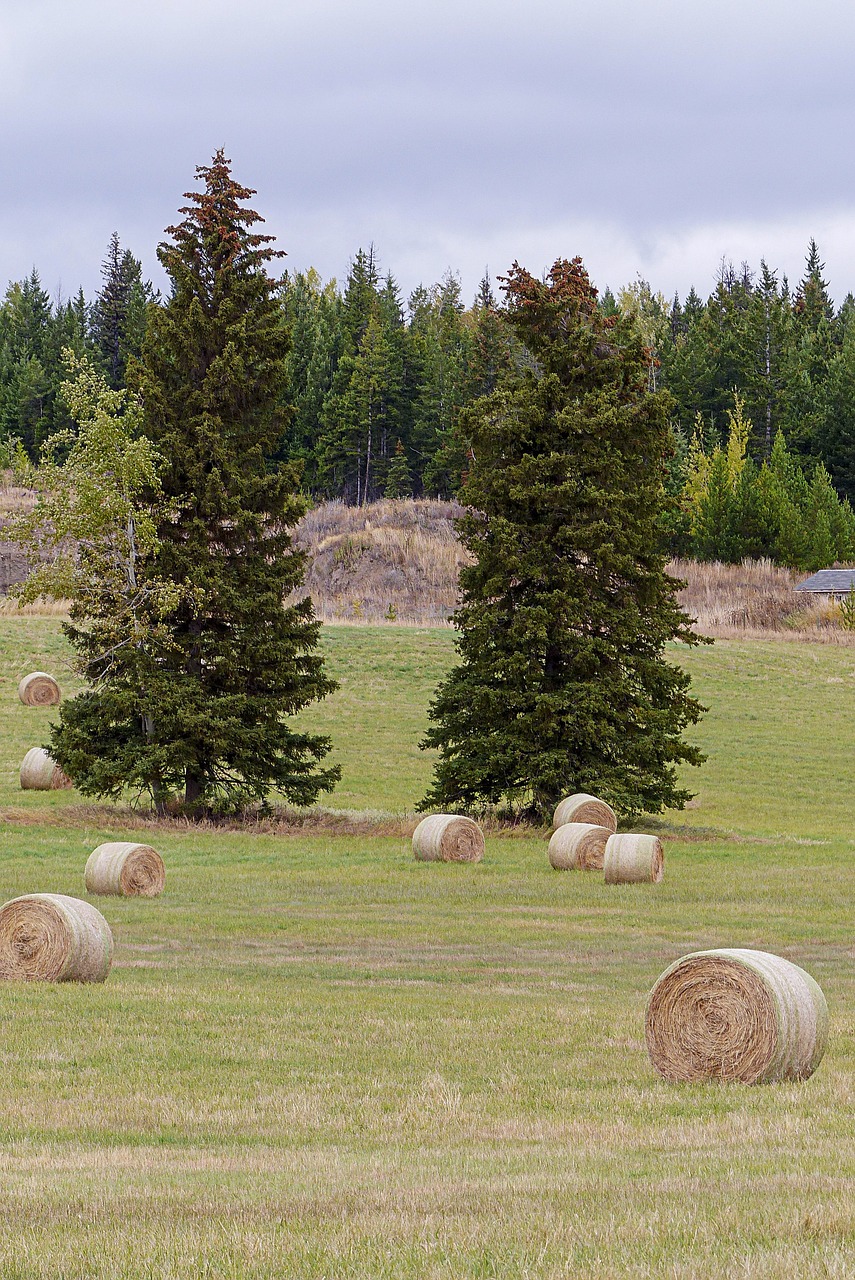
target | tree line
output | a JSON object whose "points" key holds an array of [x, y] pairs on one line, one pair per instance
{"points": [[36, 330], [376, 386]]}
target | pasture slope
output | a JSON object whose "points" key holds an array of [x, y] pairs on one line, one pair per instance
{"points": [[316, 1057]]}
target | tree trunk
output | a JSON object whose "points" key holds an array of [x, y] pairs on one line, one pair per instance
{"points": [[366, 487], [194, 781], [192, 790]]}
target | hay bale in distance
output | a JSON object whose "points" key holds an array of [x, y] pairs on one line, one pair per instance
{"points": [[39, 690], [632, 859], [448, 837], [584, 808], [736, 1014], [123, 867], [40, 772], [49, 937], [578, 846]]}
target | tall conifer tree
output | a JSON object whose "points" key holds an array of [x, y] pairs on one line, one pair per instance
{"points": [[119, 311], [563, 685], [202, 705]]}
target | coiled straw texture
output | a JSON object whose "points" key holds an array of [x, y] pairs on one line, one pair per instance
{"points": [[632, 859], [578, 846], [584, 808], [123, 867], [39, 772], [48, 937], [447, 837], [39, 690], [736, 1014]]}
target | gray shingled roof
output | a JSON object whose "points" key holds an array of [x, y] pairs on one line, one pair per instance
{"points": [[832, 581]]}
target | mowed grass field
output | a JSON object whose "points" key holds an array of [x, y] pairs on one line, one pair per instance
{"points": [[315, 1057]]}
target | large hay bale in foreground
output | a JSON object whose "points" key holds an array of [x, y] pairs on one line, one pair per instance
{"points": [[578, 846], [736, 1014], [39, 690], [584, 808], [447, 837], [633, 859], [48, 937], [123, 867], [40, 772]]}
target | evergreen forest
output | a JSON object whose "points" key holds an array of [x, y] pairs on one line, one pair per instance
{"points": [[760, 381]]}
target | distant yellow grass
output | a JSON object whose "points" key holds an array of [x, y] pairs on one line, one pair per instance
{"points": [[397, 561], [755, 600], [391, 561], [9, 607], [14, 498]]}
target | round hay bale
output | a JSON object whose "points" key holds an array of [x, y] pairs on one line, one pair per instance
{"points": [[39, 690], [736, 1014], [584, 808], [48, 937], [578, 846], [39, 772], [631, 859], [447, 837], [123, 867]]}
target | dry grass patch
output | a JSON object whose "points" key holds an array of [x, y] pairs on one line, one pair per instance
{"points": [[756, 600], [13, 498], [393, 561], [11, 608]]}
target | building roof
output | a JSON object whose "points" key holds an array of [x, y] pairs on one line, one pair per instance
{"points": [[831, 581]]}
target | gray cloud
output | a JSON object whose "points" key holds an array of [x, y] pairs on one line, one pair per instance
{"points": [[643, 137]]}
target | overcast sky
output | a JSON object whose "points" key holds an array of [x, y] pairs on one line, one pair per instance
{"points": [[649, 137]]}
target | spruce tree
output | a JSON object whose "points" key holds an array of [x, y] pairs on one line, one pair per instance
{"points": [[201, 703], [443, 342], [399, 481], [491, 356], [119, 310], [346, 446], [311, 313], [565, 611]]}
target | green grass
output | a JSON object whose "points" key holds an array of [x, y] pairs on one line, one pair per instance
{"points": [[316, 1058]]}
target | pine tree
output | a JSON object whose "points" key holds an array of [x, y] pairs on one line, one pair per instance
{"points": [[807, 413], [350, 430], [360, 419], [686, 364], [565, 611], [714, 526], [203, 704], [812, 303], [27, 376], [311, 312], [397, 415], [835, 436], [444, 345], [399, 482], [491, 354], [768, 320], [119, 311]]}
